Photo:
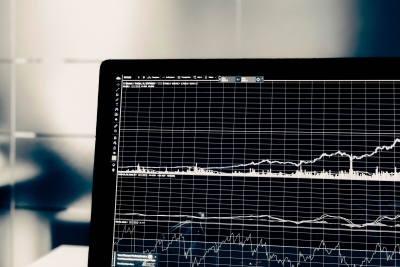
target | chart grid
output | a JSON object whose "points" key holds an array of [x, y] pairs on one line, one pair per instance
{"points": [[280, 173]]}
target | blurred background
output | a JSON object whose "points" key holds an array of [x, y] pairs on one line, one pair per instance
{"points": [[50, 53]]}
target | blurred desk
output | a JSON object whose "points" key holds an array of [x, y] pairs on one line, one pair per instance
{"points": [[64, 256]]}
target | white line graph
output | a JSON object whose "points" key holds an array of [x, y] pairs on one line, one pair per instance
{"points": [[321, 220], [164, 245], [350, 174], [303, 162]]}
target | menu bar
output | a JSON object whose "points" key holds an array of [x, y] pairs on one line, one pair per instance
{"points": [[215, 78]]}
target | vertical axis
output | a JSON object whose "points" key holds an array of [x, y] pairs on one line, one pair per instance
{"points": [[117, 165]]}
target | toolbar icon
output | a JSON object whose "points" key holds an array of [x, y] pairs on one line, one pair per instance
{"points": [[259, 79]]}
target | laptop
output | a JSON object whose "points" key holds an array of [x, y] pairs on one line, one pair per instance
{"points": [[247, 162]]}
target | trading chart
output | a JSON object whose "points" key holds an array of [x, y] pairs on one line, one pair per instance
{"points": [[271, 173]]}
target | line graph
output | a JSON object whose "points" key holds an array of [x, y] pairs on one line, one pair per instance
{"points": [[162, 245], [350, 174], [301, 258], [380, 221], [303, 162]]}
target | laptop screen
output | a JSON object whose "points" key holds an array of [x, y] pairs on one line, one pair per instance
{"points": [[215, 169]]}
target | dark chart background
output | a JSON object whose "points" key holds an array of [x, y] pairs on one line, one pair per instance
{"points": [[193, 219]]}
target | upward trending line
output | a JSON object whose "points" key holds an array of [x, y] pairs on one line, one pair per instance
{"points": [[340, 153]]}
